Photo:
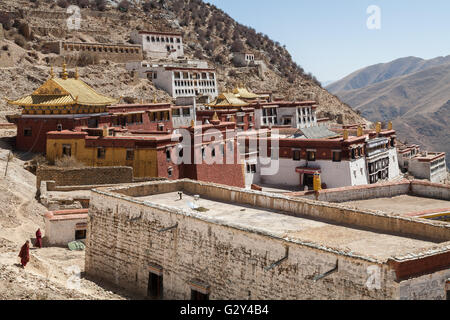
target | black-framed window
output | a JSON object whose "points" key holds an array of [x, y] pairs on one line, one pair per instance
{"points": [[67, 150], [101, 153], [296, 155], [27, 132], [130, 154], [337, 156], [80, 234], [311, 155]]}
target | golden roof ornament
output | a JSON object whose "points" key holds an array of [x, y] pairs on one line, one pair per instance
{"points": [[65, 75], [52, 74], [192, 123], [378, 127], [360, 131], [345, 134], [215, 116], [390, 127], [77, 76], [154, 98]]}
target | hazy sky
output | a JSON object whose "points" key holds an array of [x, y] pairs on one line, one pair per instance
{"points": [[330, 38]]}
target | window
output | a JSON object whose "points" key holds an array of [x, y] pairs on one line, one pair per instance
{"points": [[101, 153], [311, 155], [253, 168], [66, 150], [337, 156], [130, 154], [27, 132], [168, 154], [80, 234], [170, 172], [176, 112], [296, 155], [186, 112]]}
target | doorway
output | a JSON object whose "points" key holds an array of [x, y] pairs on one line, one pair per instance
{"points": [[308, 181], [198, 296], [155, 286]]}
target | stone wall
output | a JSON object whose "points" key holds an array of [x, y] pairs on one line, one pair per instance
{"points": [[430, 190], [124, 242], [84, 176], [380, 190], [231, 262]]}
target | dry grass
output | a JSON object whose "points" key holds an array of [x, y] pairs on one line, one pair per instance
{"points": [[68, 162]]}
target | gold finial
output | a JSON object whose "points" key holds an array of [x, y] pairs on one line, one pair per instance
{"points": [[76, 73], [378, 127], [215, 116], [52, 74], [192, 123], [345, 134], [65, 75], [390, 125], [241, 85], [154, 98], [360, 131]]}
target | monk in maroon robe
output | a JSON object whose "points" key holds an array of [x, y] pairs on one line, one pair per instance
{"points": [[38, 243], [25, 254]]}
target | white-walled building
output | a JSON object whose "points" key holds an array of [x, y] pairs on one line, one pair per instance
{"points": [[353, 161], [185, 81], [64, 226], [243, 58], [284, 113], [159, 45], [430, 166]]}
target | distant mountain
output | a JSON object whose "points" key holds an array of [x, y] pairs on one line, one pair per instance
{"points": [[326, 83], [384, 71], [414, 93]]}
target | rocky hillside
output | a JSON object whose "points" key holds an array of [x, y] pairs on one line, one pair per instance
{"points": [[413, 92], [209, 34]]}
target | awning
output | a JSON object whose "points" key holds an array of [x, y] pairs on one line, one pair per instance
{"points": [[308, 170]]}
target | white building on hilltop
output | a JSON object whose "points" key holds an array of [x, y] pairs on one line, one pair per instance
{"points": [[159, 45]]}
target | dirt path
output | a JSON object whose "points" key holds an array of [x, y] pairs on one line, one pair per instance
{"points": [[52, 273]]}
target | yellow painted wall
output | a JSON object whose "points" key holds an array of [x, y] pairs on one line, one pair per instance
{"points": [[144, 163]]}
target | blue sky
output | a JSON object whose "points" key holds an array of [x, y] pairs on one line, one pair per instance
{"points": [[330, 38]]}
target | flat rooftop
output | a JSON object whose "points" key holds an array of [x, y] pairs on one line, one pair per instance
{"points": [[355, 240], [402, 205]]}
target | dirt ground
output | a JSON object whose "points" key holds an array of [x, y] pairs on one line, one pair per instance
{"points": [[51, 272]]}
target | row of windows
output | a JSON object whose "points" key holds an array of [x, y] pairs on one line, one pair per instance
{"points": [[194, 76], [163, 39], [102, 49], [381, 175], [190, 83], [159, 116], [381, 164], [177, 112]]}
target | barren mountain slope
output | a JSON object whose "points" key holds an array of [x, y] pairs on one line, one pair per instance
{"points": [[209, 34]]}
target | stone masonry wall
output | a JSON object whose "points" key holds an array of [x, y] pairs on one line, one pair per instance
{"points": [[84, 176], [123, 241]]}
